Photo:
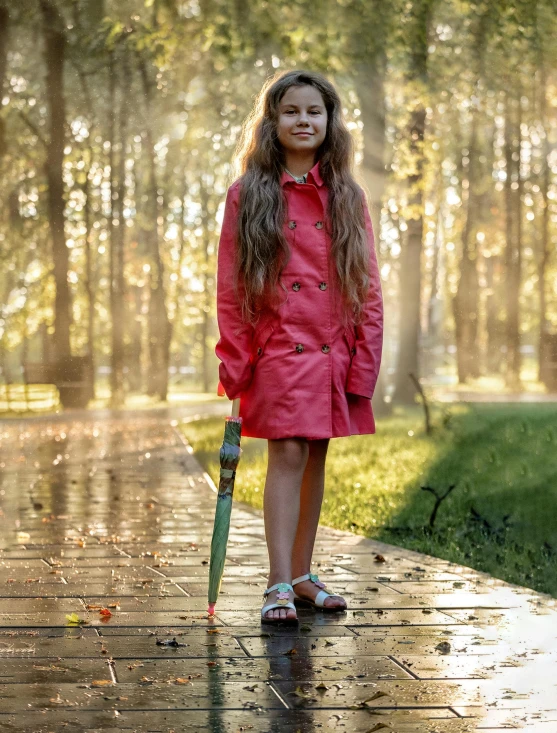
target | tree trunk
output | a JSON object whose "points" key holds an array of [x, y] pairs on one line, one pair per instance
{"points": [[465, 302], [89, 286], [118, 232], [545, 242], [370, 87], [54, 55], [410, 259], [207, 294], [159, 324], [513, 201], [494, 323], [410, 271], [4, 29]]}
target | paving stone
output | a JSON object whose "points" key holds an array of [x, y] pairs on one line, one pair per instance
{"points": [[108, 590], [359, 646], [231, 721], [395, 617], [300, 668], [195, 645], [381, 694], [52, 671], [205, 694], [41, 647], [307, 628]]}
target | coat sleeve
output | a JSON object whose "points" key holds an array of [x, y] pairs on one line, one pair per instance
{"points": [[364, 369], [234, 345]]}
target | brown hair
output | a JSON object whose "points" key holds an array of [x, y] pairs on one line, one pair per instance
{"points": [[262, 247]]}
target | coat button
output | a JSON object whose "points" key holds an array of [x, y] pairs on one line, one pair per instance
{"points": [[296, 286], [322, 286], [259, 351], [292, 225], [319, 225], [299, 348], [353, 350], [325, 348]]}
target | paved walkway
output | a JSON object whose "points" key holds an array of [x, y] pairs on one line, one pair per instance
{"points": [[117, 515]]}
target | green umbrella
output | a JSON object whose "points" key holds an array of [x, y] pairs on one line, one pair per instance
{"points": [[229, 459]]}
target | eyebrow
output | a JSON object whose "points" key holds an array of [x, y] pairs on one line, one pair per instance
{"points": [[311, 106]]}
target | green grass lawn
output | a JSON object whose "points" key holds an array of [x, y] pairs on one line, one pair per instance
{"points": [[500, 518]]}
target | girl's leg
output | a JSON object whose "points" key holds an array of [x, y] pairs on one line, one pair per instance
{"points": [[311, 498], [281, 509]]}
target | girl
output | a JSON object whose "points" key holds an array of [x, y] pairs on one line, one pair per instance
{"points": [[300, 314]]}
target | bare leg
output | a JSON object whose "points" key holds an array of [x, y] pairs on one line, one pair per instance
{"points": [[311, 498], [281, 509]]}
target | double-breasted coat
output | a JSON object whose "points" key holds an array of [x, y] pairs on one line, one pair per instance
{"points": [[299, 371]]}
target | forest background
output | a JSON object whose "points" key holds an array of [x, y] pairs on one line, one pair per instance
{"points": [[118, 125]]}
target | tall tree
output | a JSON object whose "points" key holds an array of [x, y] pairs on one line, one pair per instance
{"points": [[55, 44], [466, 301], [416, 39]]}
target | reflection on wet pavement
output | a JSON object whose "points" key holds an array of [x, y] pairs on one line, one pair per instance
{"points": [[106, 525]]}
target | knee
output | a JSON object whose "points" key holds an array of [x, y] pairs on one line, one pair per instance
{"points": [[290, 454]]}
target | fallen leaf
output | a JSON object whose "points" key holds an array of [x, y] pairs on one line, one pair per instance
{"points": [[299, 692], [105, 612], [380, 558], [74, 620], [168, 642], [444, 647], [101, 683], [182, 681]]}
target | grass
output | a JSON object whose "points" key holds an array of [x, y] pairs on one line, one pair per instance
{"points": [[501, 517]]}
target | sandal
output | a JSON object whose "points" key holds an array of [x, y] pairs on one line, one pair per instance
{"points": [[320, 597], [281, 602]]}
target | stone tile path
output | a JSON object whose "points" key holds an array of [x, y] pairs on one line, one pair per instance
{"points": [[116, 514]]}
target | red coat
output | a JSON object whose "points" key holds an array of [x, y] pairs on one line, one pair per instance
{"points": [[300, 372]]}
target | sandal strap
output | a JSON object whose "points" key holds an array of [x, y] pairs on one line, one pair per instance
{"points": [[275, 587], [301, 579], [272, 606], [320, 598]]}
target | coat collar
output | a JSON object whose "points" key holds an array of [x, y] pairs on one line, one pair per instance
{"points": [[314, 176]]}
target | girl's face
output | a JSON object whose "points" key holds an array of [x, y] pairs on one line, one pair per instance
{"points": [[302, 122]]}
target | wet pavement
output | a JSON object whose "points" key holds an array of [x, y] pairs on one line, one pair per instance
{"points": [[104, 546]]}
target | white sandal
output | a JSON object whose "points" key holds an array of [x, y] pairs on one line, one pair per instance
{"points": [[319, 601], [281, 602]]}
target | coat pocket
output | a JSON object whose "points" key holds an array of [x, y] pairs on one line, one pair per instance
{"points": [[350, 337], [259, 343]]}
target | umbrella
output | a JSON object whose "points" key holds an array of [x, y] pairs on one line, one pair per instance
{"points": [[229, 459]]}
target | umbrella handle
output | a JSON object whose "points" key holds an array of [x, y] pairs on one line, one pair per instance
{"points": [[236, 407]]}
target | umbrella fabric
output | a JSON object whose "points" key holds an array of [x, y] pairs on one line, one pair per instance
{"points": [[229, 459]]}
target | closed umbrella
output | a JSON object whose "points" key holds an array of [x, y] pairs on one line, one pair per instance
{"points": [[229, 459]]}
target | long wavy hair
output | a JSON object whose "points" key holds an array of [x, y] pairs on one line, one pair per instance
{"points": [[263, 250]]}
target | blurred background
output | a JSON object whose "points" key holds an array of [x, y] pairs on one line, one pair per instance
{"points": [[118, 125]]}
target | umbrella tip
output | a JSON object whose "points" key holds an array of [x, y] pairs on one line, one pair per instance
{"points": [[211, 609]]}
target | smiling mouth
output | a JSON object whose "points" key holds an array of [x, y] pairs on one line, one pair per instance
{"points": [[303, 133]]}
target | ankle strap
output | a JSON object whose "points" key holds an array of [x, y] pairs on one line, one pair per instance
{"points": [[276, 585], [300, 579]]}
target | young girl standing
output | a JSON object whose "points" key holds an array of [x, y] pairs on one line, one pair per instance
{"points": [[300, 314]]}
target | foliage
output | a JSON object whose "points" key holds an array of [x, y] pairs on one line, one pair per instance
{"points": [[166, 138]]}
